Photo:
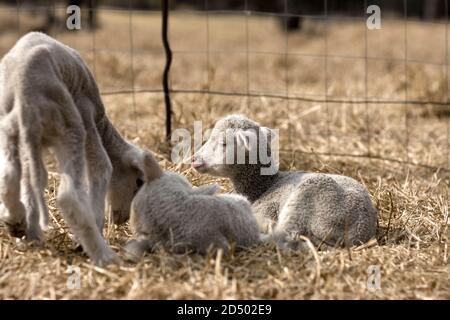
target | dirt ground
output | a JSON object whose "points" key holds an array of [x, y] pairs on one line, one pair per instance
{"points": [[411, 249]]}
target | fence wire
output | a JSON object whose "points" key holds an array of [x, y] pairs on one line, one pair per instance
{"points": [[327, 99], [287, 95]]}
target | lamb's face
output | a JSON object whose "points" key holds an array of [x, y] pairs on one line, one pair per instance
{"points": [[125, 183], [127, 178], [211, 158], [235, 143]]}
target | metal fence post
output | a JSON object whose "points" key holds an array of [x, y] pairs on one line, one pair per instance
{"points": [[165, 22]]}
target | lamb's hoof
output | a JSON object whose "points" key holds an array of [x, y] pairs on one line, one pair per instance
{"points": [[77, 248], [34, 237], [23, 244], [108, 257], [16, 230]]}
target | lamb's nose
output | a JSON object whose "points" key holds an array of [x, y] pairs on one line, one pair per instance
{"points": [[197, 162], [196, 165]]}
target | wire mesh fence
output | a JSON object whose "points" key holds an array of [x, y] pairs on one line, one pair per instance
{"points": [[333, 88]]}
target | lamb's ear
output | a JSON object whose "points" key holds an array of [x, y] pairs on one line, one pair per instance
{"points": [[144, 161], [152, 170], [247, 139], [208, 190]]}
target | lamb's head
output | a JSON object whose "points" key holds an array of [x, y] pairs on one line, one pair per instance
{"points": [[235, 145], [135, 167]]}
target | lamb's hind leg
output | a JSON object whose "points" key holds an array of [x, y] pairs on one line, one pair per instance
{"points": [[32, 186], [73, 198], [12, 211]]}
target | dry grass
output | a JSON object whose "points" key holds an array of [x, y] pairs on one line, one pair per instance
{"points": [[413, 203]]}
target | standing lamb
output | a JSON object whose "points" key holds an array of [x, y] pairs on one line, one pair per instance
{"points": [[49, 99], [168, 211], [331, 209]]}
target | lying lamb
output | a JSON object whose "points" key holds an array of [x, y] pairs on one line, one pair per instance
{"points": [[329, 209], [168, 211], [49, 99]]}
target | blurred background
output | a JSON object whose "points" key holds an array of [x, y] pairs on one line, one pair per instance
{"points": [[294, 9], [423, 9], [309, 68]]}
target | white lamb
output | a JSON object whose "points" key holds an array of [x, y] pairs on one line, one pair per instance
{"points": [[170, 212], [49, 99], [329, 209]]}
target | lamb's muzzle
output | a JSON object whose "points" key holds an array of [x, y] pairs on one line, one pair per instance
{"points": [[198, 164]]}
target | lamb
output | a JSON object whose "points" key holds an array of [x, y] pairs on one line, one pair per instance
{"points": [[331, 210], [49, 99], [168, 211]]}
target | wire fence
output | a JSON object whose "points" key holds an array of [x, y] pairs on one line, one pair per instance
{"points": [[286, 93], [327, 99]]}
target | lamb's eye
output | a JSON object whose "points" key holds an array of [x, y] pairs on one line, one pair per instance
{"points": [[139, 183], [223, 143]]}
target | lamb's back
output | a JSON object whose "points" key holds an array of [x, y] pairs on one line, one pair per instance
{"points": [[312, 204], [288, 184], [269, 204], [44, 63]]}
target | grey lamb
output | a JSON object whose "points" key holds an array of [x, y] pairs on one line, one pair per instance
{"points": [[49, 99], [170, 212], [329, 209]]}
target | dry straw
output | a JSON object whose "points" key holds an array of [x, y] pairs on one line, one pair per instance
{"points": [[411, 248]]}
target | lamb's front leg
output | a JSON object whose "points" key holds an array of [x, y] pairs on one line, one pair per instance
{"points": [[74, 200], [99, 173]]}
